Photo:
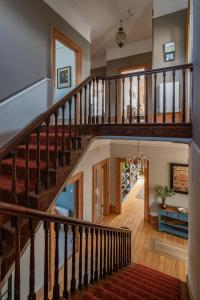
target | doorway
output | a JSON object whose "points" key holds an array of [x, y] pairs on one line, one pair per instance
{"points": [[66, 64], [132, 176], [101, 189]]}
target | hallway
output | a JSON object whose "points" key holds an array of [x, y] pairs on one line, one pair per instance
{"points": [[143, 235]]}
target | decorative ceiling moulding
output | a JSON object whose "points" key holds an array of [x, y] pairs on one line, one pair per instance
{"points": [[161, 8], [134, 48], [71, 16]]}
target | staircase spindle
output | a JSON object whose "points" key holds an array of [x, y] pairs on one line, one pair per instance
{"points": [[73, 280], [92, 256], [109, 102], [14, 177], [155, 98], [70, 124], [65, 290], [56, 288], [129, 248], [138, 99], [97, 93], [90, 104], [27, 179], [111, 252], [47, 177], [130, 103], [17, 259], [46, 261], [103, 102], [81, 110], [108, 252], [75, 118], [101, 255], [173, 97], [124, 250], [86, 257], [80, 285], [96, 273], [146, 100], [38, 179], [164, 97], [117, 252], [85, 105], [116, 101], [56, 141], [120, 251], [93, 103], [123, 101], [63, 135], [104, 256], [184, 98], [32, 294], [114, 251]]}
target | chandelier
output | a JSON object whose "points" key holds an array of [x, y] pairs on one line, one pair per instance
{"points": [[140, 159], [121, 36]]}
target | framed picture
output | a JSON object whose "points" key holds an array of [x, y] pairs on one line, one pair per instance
{"points": [[169, 56], [169, 50], [179, 178], [64, 77]]}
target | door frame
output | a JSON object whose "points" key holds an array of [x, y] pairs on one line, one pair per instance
{"points": [[105, 164], [61, 37], [119, 205]]}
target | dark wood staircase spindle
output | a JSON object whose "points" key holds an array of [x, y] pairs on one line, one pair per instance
{"points": [[81, 109], [73, 280], [56, 288], [103, 102], [86, 258], [130, 101], [184, 98], [32, 294], [93, 102], [70, 124], [146, 100], [123, 100], [117, 252], [173, 96], [90, 104], [38, 178], [14, 177], [124, 250], [80, 284], [111, 252], [116, 101], [75, 117], [129, 248], [138, 99], [96, 272], [17, 259], [65, 290], [56, 140], [46, 261], [27, 173], [108, 252], [97, 93], [155, 98], [92, 256], [85, 105], [114, 251], [63, 135], [121, 250], [119, 237], [164, 97], [109, 102], [47, 177], [104, 256], [101, 255]]}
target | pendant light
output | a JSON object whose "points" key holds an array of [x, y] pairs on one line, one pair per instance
{"points": [[121, 36]]}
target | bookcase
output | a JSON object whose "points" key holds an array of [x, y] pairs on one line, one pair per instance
{"points": [[129, 177]]}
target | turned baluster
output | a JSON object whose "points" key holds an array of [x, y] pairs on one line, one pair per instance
{"points": [[124, 251], [146, 100], [47, 177], [17, 259], [56, 288], [184, 98], [38, 179], [130, 101], [103, 102], [65, 290], [89, 105], [173, 97], [97, 115], [73, 280], [75, 117], [96, 273], [117, 253], [70, 124], [114, 251], [116, 101], [14, 177], [86, 257], [111, 252], [27, 179], [46, 261], [92, 256], [104, 256], [155, 98], [81, 111], [56, 141], [109, 102], [123, 100], [63, 135], [138, 99], [93, 103], [108, 252], [32, 294], [101, 255], [80, 285], [85, 107], [164, 97]]}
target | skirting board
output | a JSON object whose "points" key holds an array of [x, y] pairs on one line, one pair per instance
{"points": [[189, 288]]}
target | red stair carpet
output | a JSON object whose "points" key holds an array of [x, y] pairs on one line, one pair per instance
{"points": [[137, 282]]}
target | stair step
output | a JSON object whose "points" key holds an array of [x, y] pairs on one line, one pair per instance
{"points": [[103, 294], [120, 291]]}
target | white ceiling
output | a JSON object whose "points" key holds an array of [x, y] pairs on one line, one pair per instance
{"points": [[103, 17]]}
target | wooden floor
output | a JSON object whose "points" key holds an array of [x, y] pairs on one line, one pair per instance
{"points": [[143, 233]]}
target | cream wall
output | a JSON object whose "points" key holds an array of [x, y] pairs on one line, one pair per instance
{"points": [[160, 155]]}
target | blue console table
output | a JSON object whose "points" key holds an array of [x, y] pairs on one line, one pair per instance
{"points": [[172, 221]]}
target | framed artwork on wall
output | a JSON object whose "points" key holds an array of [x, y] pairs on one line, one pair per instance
{"points": [[169, 50], [64, 77], [179, 178]]}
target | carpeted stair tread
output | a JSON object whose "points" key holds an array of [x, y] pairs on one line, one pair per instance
{"points": [[104, 294], [89, 296], [122, 292], [6, 184], [21, 163]]}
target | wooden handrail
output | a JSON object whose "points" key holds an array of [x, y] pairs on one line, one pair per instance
{"points": [[21, 211]]}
